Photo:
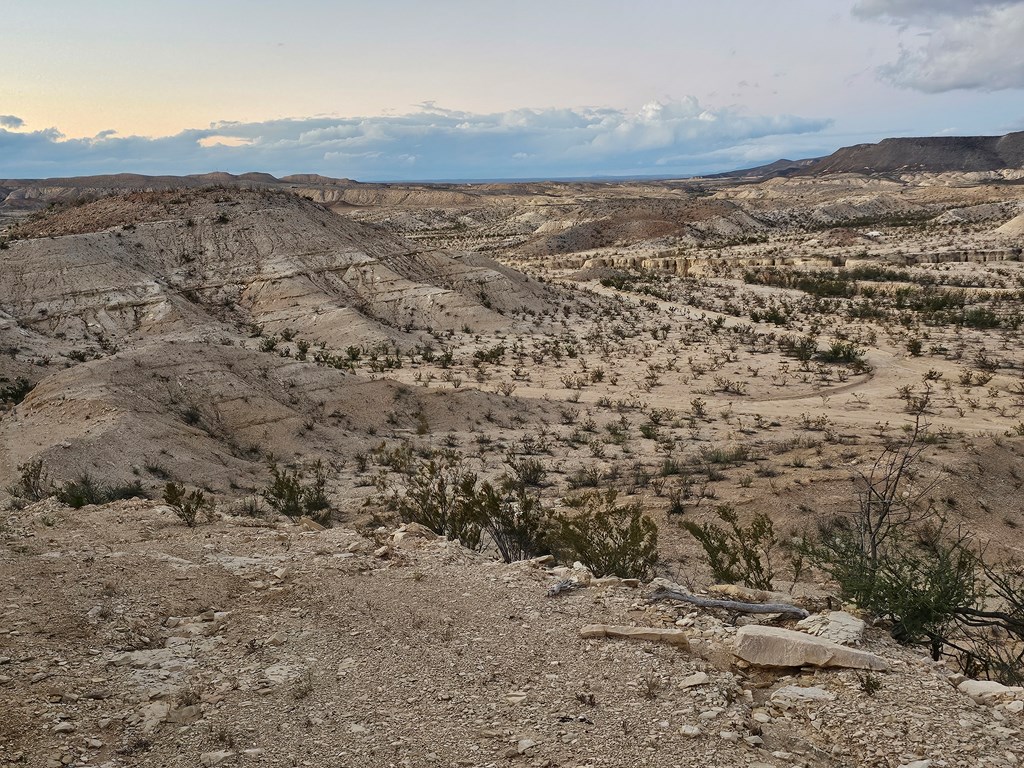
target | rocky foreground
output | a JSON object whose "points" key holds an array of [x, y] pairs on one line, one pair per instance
{"points": [[127, 639]]}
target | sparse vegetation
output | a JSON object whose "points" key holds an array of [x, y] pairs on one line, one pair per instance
{"points": [[188, 506]]}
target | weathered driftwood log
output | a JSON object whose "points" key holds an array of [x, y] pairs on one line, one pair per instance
{"points": [[664, 593]]}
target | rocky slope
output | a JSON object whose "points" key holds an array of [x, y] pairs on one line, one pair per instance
{"points": [[202, 324], [260, 643]]}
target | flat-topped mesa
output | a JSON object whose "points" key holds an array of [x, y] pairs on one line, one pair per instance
{"points": [[932, 154]]}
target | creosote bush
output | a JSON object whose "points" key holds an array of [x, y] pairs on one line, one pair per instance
{"points": [[439, 492], [186, 506], [289, 495], [737, 553], [896, 557], [16, 392], [33, 482], [85, 490], [609, 538]]}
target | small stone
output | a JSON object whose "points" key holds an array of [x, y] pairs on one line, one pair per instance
{"points": [[792, 694], [697, 678], [691, 731], [837, 626], [989, 691], [184, 715], [653, 634], [524, 744], [515, 697], [215, 758], [64, 727], [730, 736], [94, 743]]}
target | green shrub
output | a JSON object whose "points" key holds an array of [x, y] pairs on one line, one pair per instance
{"points": [[85, 490], [33, 482], [438, 494], [186, 507], [895, 557], [737, 553], [515, 520], [527, 470], [288, 495], [610, 539], [16, 392]]}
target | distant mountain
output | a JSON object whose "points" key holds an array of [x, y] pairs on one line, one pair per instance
{"points": [[770, 171], [934, 154], [937, 154]]}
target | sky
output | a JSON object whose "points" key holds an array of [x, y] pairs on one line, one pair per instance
{"points": [[395, 90]]}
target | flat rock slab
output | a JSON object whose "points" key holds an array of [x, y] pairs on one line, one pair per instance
{"points": [[837, 626], [777, 647], [796, 694], [653, 634], [990, 692]]}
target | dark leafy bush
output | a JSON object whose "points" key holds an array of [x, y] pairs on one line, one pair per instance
{"points": [[288, 494], [609, 538], [33, 482], [737, 553], [85, 490], [16, 392], [186, 506]]}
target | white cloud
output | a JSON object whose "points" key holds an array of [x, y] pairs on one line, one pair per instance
{"points": [[431, 143], [954, 44], [911, 9]]}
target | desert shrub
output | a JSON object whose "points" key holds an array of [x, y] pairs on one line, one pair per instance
{"points": [[609, 538], [527, 470], [725, 456], [895, 557], [513, 518], [737, 553], [585, 477], [186, 506], [492, 355], [438, 493], [288, 494], [85, 490], [15, 392], [33, 482], [842, 352]]}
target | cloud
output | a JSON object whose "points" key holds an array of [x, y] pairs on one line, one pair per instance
{"points": [[10, 121], [955, 44], [911, 9], [431, 143]]}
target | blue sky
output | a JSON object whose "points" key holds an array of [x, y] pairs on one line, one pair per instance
{"points": [[408, 89]]}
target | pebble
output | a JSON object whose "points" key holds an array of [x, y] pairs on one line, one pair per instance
{"points": [[214, 758]]}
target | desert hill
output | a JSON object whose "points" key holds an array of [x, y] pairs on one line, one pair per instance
{"points": [[146, 263], [937, 154], [172, 310]]}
